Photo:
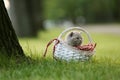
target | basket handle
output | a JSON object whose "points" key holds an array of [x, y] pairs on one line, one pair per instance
{"points": [[75, 28]]}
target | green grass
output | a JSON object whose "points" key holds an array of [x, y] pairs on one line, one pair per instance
{"points": [[105, 64]]}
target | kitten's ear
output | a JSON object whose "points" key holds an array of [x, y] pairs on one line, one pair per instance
{"points": [[71, 34]]}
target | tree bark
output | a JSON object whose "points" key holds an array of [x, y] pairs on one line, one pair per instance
{"points": [[8, 40]]}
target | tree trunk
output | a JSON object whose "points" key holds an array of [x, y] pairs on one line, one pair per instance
{"points": [[35, 13], [117, 10], [26, 17], [8, 40]]}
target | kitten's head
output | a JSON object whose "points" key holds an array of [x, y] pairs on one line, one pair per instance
{"points": [[74, 39]]}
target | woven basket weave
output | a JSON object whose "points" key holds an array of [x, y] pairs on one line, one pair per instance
{"points": [[62, 51]]}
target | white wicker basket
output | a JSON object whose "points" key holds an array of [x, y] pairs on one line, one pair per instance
{"points": [[62, 51]]}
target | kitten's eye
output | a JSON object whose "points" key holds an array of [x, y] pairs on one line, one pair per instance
{"points": [[77, 38]]}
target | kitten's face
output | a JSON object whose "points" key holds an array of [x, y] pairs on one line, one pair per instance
{"points": [[74, 39]]}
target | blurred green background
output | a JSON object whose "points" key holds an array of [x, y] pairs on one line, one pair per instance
{"points": [[30, 17], [36, 22]]}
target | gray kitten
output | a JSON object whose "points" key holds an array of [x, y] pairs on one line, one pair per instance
{"points": [[74, 39]]}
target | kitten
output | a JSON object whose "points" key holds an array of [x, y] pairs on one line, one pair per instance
{"points": [[74, 39]]}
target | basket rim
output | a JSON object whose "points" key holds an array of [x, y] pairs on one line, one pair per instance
{"points": [[72, 48], [75, 28]]}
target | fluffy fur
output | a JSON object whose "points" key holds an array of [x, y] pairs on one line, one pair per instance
{"points": [[74, 39]]}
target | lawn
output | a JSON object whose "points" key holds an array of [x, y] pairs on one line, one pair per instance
{"points": [[105, 64]]}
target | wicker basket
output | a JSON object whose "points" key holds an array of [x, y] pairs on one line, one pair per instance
{"points": [[62, 51]]}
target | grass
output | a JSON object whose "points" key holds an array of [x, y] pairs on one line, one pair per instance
{"points": [[105, 64]]}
